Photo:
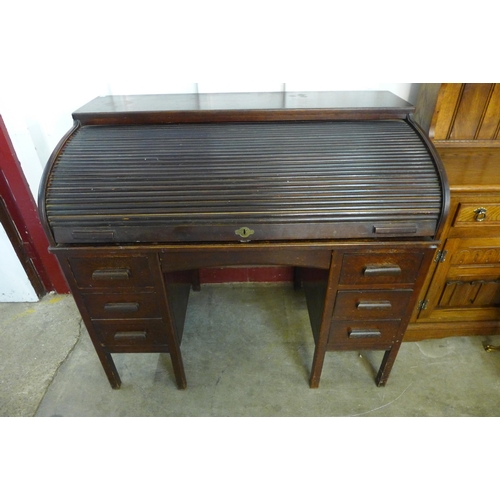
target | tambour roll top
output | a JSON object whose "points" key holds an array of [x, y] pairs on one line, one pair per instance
{"points": [[128, 174]]}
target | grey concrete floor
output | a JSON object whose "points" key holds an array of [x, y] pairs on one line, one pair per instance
{"points": [[247, 351]]}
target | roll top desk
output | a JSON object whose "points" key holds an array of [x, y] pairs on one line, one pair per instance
{"points": [[144, 191]]}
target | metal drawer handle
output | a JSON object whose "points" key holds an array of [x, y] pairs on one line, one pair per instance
{"points": [[121, 307], [90, 236], [363, 333], [480, 214], [400, 229], [111, 274], [381, 270], [381, 304], [139, 335]]}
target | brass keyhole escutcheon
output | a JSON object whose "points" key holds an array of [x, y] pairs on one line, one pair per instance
{"points": [[480, 214], [244, 232]]}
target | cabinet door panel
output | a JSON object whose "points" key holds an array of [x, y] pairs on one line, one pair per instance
{"points": [[459, 294], [488, 295], [468, 280]]}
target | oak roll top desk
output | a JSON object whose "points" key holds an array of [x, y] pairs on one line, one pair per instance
{"points": [[145, 190]]}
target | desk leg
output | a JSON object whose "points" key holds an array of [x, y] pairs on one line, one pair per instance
{"points": [[320, 301], [174, 287], [178, 366], [386, 365], [195, 280], [105, 358], [109, 366], [317, 367]]}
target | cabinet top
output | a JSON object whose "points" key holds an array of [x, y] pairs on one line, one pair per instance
{"points": [[248, 106], [474, 169]]}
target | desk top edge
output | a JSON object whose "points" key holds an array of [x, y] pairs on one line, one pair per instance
{"points": [[242, 106]]}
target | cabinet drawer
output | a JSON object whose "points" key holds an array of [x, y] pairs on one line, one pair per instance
{"points": [[477, 214], [380, 268], [122, 305], [111, 272], [378, 304], [131, 333], [362, 334]]}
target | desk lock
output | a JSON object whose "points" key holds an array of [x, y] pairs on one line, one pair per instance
{"points": [[244, 232]]}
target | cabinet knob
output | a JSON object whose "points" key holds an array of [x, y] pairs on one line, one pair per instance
{"points": [[480, 214]]}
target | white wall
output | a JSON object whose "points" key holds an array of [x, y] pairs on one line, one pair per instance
{"points": [[14, 284]]}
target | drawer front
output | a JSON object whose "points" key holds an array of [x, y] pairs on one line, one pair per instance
{"points": [[111, 272], [378, 304], [363, 334], [131, 333], [478, 214], [380, 268], [122, 305]]}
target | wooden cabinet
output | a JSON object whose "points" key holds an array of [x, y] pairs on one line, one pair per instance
{"points": [[462, 291]]}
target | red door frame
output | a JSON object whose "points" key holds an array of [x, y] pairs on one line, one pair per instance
{"points": [[21, 206]]}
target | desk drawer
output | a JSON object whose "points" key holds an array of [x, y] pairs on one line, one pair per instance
{"points": [[380, 268], [478, 214], [111, 272], [362, 334], [131, 333], [378, 304], [122, 305]]}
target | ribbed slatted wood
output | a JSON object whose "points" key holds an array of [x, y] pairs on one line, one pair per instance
{"points": [[193, 175]]}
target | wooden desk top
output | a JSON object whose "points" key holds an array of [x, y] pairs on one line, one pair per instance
{"points": [[246, 106], [472, 168]]}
